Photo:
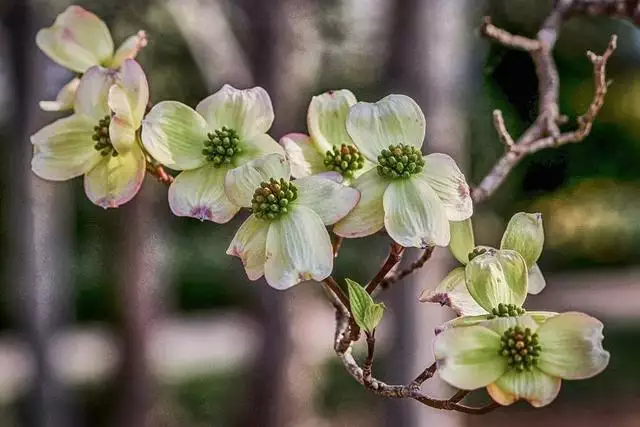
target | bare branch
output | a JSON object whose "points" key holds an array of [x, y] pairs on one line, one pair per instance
{"points": [[507, 39], [501, 128], [395, 255], [158, 171], [416, 265]]}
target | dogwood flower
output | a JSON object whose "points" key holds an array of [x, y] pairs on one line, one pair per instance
{"points": [[515, 358], [285, 239], [98, 140], [411, 196], [79, 40], [226, 130], [328, 147], [524, 234]]}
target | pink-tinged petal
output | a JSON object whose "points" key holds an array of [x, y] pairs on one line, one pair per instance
{"points": [[64, 149], [572, 346], [174, 134], [129, 97], [241, 183], [304, 157], [444, 176], [129, 49], [250, 245], [92, 95], [327, 118], [330, 200], [247, 111], [298, 249], [534, 386], [392, 120], [199, 193], [368, 215], [77, 40], [116, 179], [64, 99], [452, 291], [414, 215]]}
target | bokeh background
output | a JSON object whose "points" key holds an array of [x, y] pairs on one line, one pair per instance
{"points": [[132, 317]]}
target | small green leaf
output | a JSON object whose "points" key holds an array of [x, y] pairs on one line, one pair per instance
{"points": [[366, 312], [525, 235], [462, 241]]}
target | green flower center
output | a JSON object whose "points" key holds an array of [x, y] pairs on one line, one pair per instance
{"points": [[521, 348], [400, 161], [101, 137], [271, 199], [345, 159], [221, 146], [507, 310]]}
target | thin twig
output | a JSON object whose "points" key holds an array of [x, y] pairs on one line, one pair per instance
{"points": [[337, 290], [416, 265], [424, 375], [394, 257], [336, 244], [501, 129], [368, 363], [158, 171]]}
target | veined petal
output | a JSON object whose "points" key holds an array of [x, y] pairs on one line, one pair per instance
{"points": [[452, 292], [536, 280], [462, 240], [199, 193], [116, 180], [121, 134], [525, 235], [248, 111], [534, 386], [444, 176], [462, 321], [93, 93], [330, 200], [327, 118], [497, 324], [240, 183], [64, 99], [129, 48], [368, 215], [128, 98], [257, 146], [467, 358], [64, 149], [497, 277], [303, 155], [250, 245], [77, 40], [298, 249], [392, 120], [414, 215], [572, 346], [174, 135]]}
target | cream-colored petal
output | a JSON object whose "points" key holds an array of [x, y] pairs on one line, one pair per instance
{"points": [[248, 111], [444, 176], [414, 215], [129, 97], [174, 134], [462, 240], [92, 95], [241, 182], [129, 49], [65, 98], [304, 157], [536, 280], [497, 277], [77, 40], [393, 120], [467, 358], [259, 145], [330, 200], [121, 134], [368, 215], [327, 116], [64, 149], [199, 193], [116, 179], [525, 234], [572, 346], [250, 245], [452, 292], [534, 386], [298, 249], [497, 324]]}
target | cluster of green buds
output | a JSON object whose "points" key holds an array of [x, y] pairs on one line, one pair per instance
{"points": [[400, 161], [345, 159], [221, 146], [507, 310], [521, 348], [101, 137], [271, 199]]}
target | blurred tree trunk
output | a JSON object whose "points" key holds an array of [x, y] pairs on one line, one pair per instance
{"points": [[37, 226], [430, 53]]}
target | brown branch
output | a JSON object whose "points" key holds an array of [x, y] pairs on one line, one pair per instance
{"points": [[336, 244], [158, 171], [416, 265], [337, 291], [394, 257]]}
